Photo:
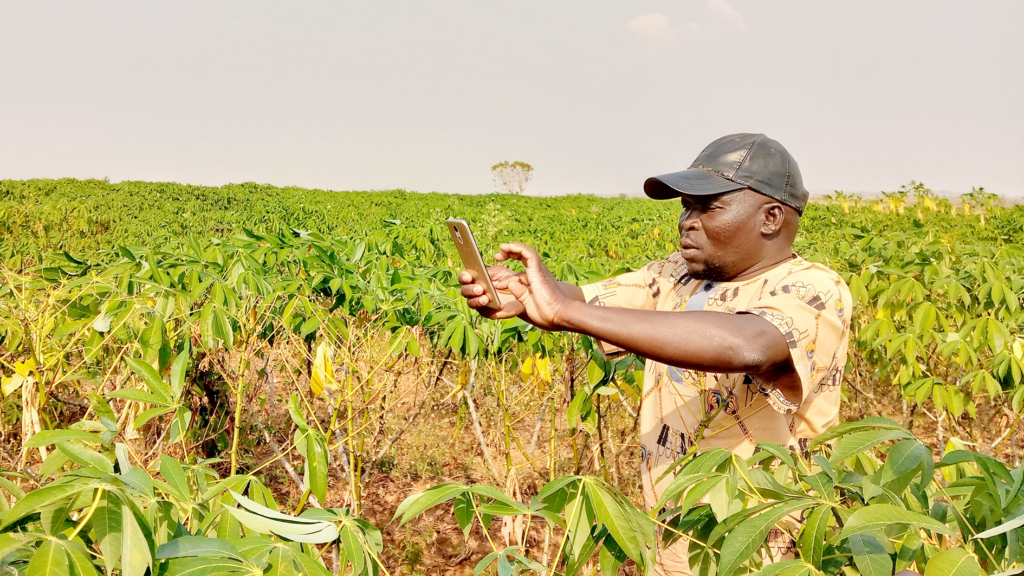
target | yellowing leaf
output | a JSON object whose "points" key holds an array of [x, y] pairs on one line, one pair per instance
{"points": [[14, 383], [323, 371], [527, 369], [25, 368], [544, 368]]}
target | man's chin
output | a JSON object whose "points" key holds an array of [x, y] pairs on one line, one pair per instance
{"points": [[709, 271]]}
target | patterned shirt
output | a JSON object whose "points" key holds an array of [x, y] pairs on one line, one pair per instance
{"points": [[809, 304]]}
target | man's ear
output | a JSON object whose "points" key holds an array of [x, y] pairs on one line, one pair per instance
{"points": [[774, 216]]}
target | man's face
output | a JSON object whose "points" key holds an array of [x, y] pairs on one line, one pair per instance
{"points": [[720, 236]]}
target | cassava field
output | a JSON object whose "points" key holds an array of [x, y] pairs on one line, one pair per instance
{"points": [[259, 380]]}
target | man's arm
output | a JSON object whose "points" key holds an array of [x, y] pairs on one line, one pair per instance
{"points": [[705, 341]]}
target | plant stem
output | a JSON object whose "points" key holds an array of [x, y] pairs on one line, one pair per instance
{"points": [[88, 514]]}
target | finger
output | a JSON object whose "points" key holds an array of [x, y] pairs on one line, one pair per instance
{"points": [[496, 272], [465, 277], [519, 289], [479, 302], [472, 290], [522, 252]]}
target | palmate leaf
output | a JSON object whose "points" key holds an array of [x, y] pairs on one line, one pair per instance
{"points": [[205, 566], [281, 558], [187, 546], [151, 378], [79, 560], [632, 532], [178, 367], [953, 562], [316, 459], [85, 457], [266, 521], [44, 496], [136, 558], [49, 559], [107, 522], [745, 539], [174, 474], [871, 423], [47, 437], [870, 556], [813, 533], [416, 504], [878, 516], [789, 568], [858, 442]]}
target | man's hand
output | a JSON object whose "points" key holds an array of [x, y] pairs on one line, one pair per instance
{"points": [[540, 294], [533, 295], [477, 300]]}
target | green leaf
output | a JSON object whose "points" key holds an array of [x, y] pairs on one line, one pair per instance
{"points": [[870, 556], [266, 521], [137, 396], [9, 543], [862, 441], [611, 557], [855, 426], [48, 560], [813, 533], [317, 462], [746, 538], [953, 562], [416, 504], [904, 457], [1002, 528], [135, 551], [151, 378], [595, 373], [185, 546], [148, 415], [178, 375], [108, 523], [463, 509], [86, 457], [174, 474], [44, 496], [878, 516], [79, 560], [617, 519], [47, 437], [151, 339]]}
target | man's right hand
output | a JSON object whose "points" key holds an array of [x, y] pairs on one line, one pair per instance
{"points": [[477, 300]]}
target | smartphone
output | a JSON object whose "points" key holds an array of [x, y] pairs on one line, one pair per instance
{"points": [[471, 259]]}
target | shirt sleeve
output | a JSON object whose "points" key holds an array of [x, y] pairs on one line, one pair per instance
{"points": [[811, 309], [638, 290]]}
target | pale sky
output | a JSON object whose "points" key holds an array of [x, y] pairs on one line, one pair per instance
{"points": [[426, 96]]}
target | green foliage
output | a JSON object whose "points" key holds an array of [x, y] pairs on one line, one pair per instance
{"points": [[153, 281]]}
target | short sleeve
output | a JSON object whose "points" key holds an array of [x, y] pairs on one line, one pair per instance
{"points": [[810, 307], [637, 289]]}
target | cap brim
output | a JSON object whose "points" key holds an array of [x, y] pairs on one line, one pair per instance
{"points": [[692, 182]]}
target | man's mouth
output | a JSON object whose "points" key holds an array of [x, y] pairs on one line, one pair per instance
{"points": [[685, 244]]}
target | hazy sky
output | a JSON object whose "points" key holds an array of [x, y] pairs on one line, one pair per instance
{"points": [[426, 96]]}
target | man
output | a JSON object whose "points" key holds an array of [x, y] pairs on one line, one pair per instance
{"points": [[745, 341]]}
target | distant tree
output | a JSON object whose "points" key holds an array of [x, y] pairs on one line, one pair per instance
{"points": [[512, 177]]}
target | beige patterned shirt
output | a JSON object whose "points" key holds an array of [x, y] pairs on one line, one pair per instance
{"points": [[809, 303]]}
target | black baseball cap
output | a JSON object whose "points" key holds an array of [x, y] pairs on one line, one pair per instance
{"points": [[735, 162]]}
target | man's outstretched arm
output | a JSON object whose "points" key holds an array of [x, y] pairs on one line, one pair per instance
{"points": [[705, 341]]}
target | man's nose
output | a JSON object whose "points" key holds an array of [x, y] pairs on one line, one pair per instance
{"points": [[689, 220]]}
